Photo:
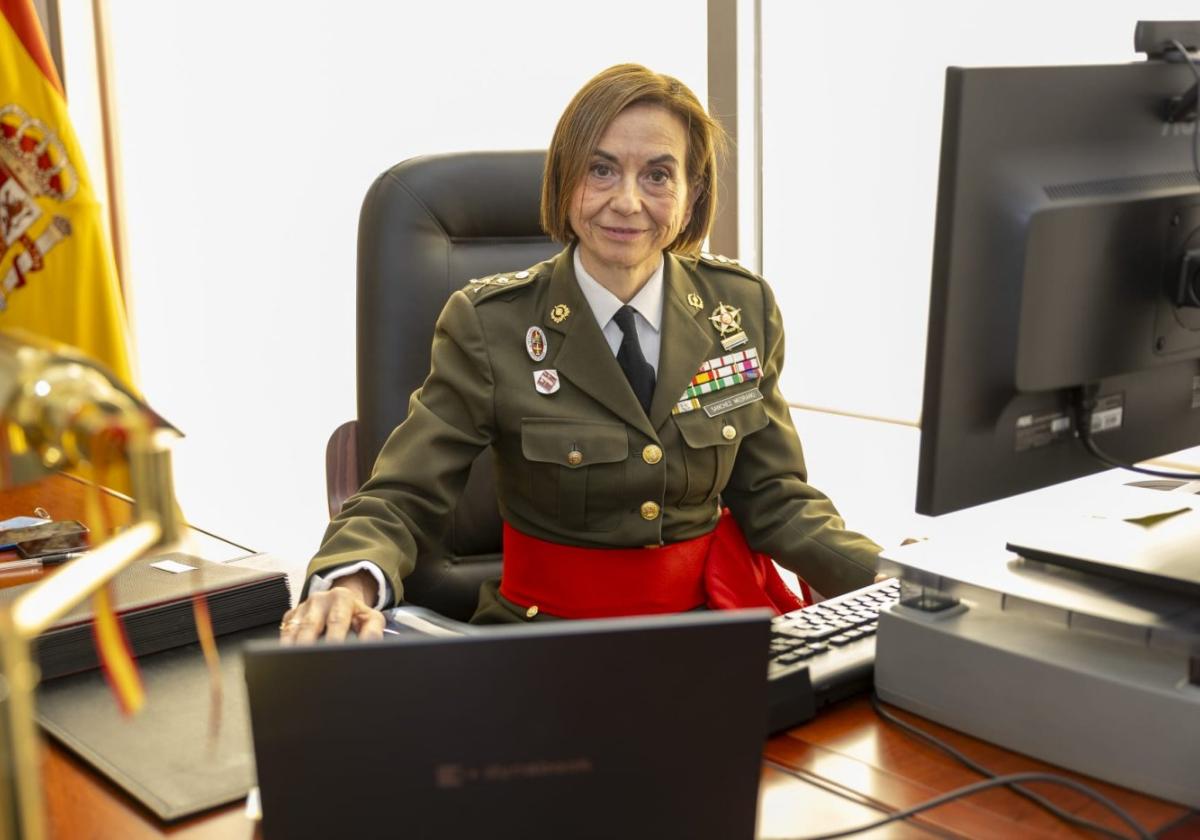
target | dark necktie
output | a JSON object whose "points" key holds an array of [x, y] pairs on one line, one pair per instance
{"points": [[637, 370]]}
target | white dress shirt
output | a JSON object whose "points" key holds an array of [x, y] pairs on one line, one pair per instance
{"points": [[647, 304]]}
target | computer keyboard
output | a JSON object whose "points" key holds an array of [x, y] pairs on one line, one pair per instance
{"points": [[823, 653]]}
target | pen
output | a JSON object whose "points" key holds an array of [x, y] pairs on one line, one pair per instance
{"points": [[55, 559], [38, 562]]}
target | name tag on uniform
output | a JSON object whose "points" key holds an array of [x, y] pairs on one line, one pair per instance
{"points": [[714, 409]]}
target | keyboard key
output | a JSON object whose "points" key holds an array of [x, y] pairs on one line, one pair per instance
{"points": [[840, 640]]}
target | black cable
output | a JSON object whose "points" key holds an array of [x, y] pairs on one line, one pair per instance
{"points": [[1082, 401], [1037, 798], [988, 784], [1187, 59], [1095, 452]]}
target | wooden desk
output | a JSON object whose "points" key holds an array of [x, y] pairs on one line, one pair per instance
{"points": [[846, 768]]}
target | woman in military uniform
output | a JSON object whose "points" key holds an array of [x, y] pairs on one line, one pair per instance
{"points": [[629, 390]]}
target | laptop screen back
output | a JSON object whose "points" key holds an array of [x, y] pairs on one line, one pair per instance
{"points": [[643, 727]]}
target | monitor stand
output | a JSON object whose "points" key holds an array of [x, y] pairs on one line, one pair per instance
{"points": [[1096, 675]]}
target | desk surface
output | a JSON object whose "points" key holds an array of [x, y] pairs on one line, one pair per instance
{"points": [[843, 769]]}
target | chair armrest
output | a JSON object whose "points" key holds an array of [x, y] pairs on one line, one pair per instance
{"points": [[341, 466]]}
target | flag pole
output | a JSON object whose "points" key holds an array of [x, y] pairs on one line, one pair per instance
{"points": [[112, 157]]}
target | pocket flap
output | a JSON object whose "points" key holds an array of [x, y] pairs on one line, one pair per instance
{"points": [[553, 441], [699, 430]]}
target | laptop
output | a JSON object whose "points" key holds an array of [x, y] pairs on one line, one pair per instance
{"points": [[644, 727]]}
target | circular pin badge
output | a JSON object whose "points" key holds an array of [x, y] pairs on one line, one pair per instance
{"points": [[535, 343]]}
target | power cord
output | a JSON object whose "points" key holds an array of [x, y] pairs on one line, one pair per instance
{"points": [[983, 771], [978, 787], [1083, 400], [1012, 781]]}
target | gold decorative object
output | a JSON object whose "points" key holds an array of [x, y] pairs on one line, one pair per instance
{"points": [[53, 401]]}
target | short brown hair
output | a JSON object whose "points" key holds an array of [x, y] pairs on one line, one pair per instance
{"points": [[588, 115]]}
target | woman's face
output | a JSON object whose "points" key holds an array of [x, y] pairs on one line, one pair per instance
{"points": [[633, 199]]}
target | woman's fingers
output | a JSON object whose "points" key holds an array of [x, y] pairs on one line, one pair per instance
{"points": [[369, 623], [331, 613]]}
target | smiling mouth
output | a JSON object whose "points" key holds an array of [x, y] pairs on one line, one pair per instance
{"points": [[621, 232]]}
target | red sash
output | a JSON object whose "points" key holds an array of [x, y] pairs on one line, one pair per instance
{"points": [[717, 570]]}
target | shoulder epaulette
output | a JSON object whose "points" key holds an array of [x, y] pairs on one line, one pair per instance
{"points": [[727, 263], [481, 288]]}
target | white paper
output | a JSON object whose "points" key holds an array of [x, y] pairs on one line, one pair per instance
{"points": [[173, 566]]}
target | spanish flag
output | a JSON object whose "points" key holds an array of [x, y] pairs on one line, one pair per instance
{"points": [[57, 274]]}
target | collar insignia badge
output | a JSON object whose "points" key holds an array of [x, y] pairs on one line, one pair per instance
{"points": [[546, 381], [560, 313], [727, 320], [535, 343], [694, 301]]}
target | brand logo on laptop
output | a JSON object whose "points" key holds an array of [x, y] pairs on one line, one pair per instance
{"points": [[449, 776]]}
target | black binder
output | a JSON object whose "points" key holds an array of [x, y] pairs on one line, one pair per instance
{"points": [[164, 756], [156, 609]]}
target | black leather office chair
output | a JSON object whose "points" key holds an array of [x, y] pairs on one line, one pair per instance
{"points": [[427, 226]]}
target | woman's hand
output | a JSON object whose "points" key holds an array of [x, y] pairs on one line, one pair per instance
{"points": [[335, 612]]}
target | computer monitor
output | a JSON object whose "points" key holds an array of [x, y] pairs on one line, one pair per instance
{"points": [[1066, 262]]}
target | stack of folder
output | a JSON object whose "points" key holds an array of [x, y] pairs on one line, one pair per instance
{"points": [[154, 600]]}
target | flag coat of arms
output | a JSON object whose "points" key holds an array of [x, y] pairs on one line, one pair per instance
{"points": [[57, 274]]}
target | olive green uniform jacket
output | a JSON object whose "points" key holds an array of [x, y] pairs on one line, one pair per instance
{"points": [[481, 392]]}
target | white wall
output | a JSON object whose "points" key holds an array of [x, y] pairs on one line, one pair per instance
{"points": [[852, 109], [250, 132]]}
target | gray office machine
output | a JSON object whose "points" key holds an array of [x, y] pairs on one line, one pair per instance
{"points": [[1098, 675]]}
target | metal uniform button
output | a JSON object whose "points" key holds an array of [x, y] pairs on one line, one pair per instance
{"points": [[574, 457], [652, 454], [650, 511], [728, 432], [521, 275], [531, 612]]}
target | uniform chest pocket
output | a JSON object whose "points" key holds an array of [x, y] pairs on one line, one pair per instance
{"points": [[711, 445], [576, 472]]}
